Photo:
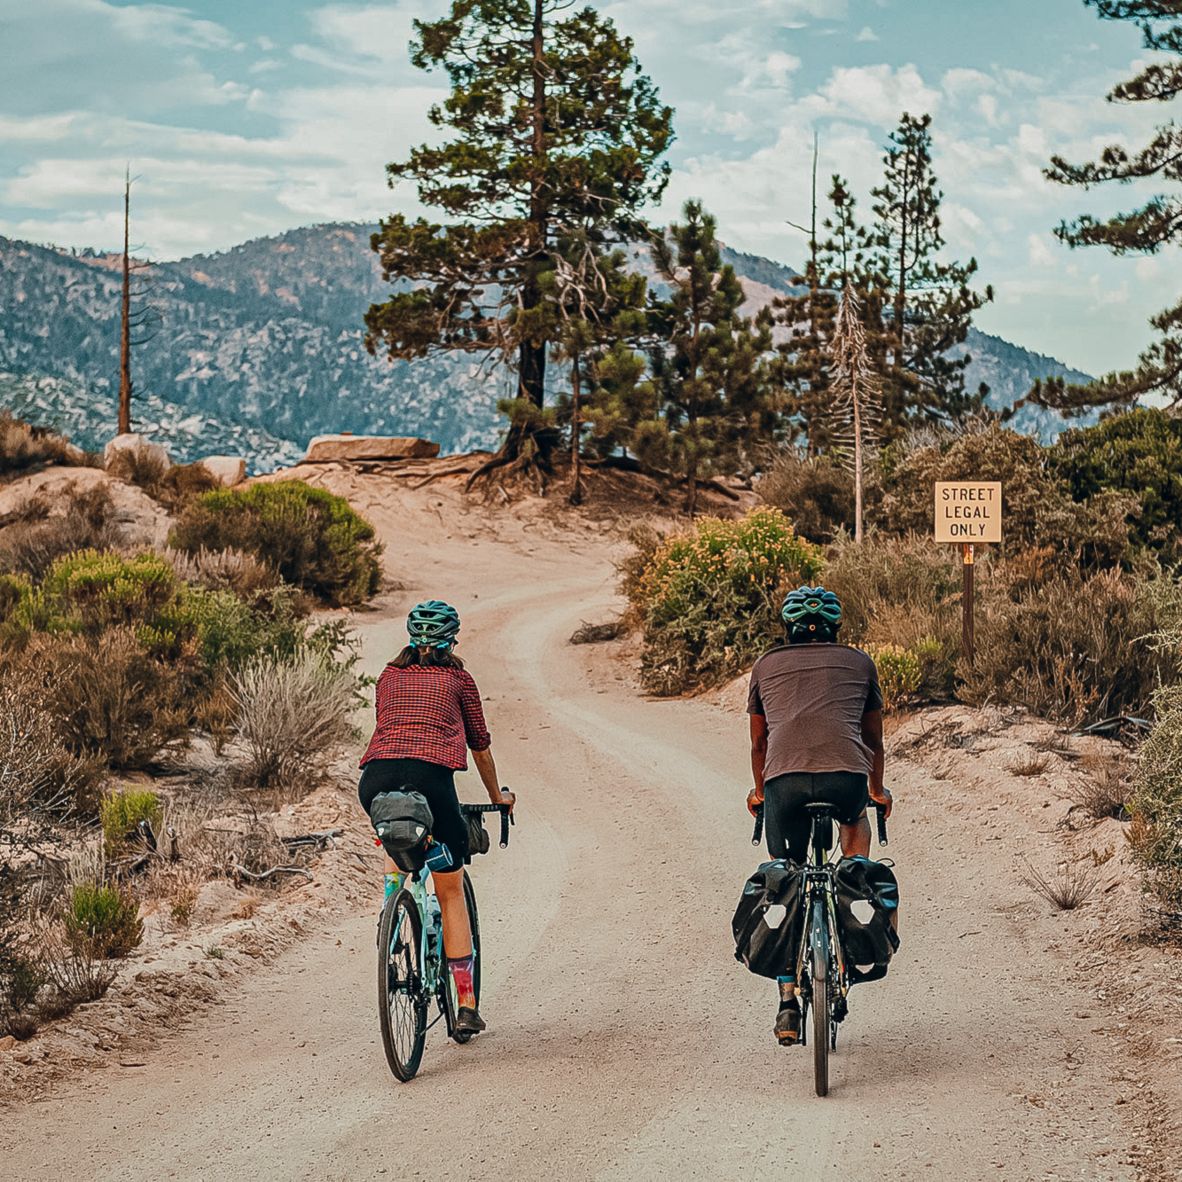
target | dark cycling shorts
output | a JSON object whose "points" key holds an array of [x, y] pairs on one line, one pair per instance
{"points": [[437, 784], [785, 821]]}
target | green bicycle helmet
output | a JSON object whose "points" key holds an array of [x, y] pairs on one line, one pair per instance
{"points": [[433, 624], [811, 613]]}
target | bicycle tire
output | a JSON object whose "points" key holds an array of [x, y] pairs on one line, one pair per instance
{"points": [[400, 976], [449, 998], [819, 937]]}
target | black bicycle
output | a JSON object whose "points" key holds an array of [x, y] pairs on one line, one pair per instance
{"points": [[412, 968], [822, 977]]}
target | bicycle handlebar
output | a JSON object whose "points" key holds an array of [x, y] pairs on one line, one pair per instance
{"points": [[757, 836], [507, 818], [882, 832]]}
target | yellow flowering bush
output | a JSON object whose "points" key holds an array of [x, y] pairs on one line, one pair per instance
{"points": [[708, 599]]}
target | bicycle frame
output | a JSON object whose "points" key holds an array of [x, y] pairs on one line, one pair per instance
{"points": [[431, 952], [819, 884]]}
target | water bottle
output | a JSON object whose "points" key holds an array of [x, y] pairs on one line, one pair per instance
{"points": [[434, 925]]}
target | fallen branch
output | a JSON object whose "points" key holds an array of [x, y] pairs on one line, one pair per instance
{"points": [[242, 872], [319, 840]]}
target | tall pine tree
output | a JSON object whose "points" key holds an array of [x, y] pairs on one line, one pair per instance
{"points": [[556, 133], [1147, 228], [707, 361], [929, 303]]}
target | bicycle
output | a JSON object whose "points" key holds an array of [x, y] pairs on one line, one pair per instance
{"points": [[412, 968], [823, 980]]}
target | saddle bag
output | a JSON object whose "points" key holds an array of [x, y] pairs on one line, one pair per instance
{"points": [[402, 821], [867, 916], [768, 920]]}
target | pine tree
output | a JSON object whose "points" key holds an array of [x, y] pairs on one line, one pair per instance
{"points": [[1143, 230], [556, 134], [856, 403], [707, 362], [929, 302]]}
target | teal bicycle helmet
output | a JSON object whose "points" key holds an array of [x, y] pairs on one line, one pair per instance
{"points": [[433, 624], [811, 613]]}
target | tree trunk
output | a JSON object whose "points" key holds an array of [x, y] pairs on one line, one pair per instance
{"points": [[125, 319], [856, 398], [576, 430]]}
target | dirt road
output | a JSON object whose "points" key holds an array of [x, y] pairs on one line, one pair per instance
{"points": [[624, 1041]]}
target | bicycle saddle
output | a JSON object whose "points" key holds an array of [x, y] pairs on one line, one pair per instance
{"points": [[821, 808]]}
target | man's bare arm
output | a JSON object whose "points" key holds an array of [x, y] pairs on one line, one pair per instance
{"points": [[872, 737], [758, 759]]}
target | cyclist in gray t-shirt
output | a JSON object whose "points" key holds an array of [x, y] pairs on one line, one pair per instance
{"points": [[816, 735]]}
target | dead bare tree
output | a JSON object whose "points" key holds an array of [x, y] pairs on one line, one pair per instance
{"points": [[856, 388], [139, 320]]}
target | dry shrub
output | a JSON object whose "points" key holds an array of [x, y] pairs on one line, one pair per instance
{"points": [[815, 494], [1070, 887], [142, 466], [291, 713], [75, 970], [598, 633], [1103, 790], [1033, 763], [24, 448], [110, 697], [901, 593], [182, 484], [223, 570], [1075, 647], [40, 531]]}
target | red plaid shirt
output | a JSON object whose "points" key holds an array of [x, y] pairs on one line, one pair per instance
{"points": [[429, 712]]}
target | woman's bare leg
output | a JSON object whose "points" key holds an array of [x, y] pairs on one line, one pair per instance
{"points": [[457, 936]]}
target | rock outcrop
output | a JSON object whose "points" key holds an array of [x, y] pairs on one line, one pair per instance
{"points": [[325, 448], [226, 470]]}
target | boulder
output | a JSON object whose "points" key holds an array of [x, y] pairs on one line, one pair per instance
{"points": [[226, 470], [325, 448], [137, 444]]}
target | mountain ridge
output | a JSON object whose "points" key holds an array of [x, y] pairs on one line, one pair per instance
{"points": [[262, 346]]}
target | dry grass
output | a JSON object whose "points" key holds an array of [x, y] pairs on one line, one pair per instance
{"points": [[223, 570], [1033, 763], [40, 530], [291, 714], [1103, 789], [1070, 887]]}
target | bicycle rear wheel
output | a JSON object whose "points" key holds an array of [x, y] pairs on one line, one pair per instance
{"points": [[819, 937], [450, 1002], [402, 1002]]}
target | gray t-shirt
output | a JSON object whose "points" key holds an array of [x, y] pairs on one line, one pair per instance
{"points": [[813, 697]]}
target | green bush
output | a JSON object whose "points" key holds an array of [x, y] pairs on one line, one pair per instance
{"points": [[900, 674], [120, 813], [1138, 453], [1037, 502], [231, 632], [708, 599], [313, 538], [104, 920], [1075, 647], [1156, 805]]}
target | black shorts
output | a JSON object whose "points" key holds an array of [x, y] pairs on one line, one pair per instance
{"points": [[785, 821], [436, 783]]}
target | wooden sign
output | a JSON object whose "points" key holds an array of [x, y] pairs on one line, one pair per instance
{"points": [[968, 511]]}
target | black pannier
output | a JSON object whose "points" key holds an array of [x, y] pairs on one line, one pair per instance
{"points": [[767, 923], [402, 821], [867, 916], [477, 834]]}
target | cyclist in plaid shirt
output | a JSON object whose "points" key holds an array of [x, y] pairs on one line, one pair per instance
{"points": [[429, 717]]}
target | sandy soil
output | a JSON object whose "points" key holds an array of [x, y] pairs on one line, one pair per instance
{"points": [[625, 1042]]}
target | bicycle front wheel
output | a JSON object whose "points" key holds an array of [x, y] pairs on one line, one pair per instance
{"points": [[451, 1004], [402, 1002], [821, 1004]]}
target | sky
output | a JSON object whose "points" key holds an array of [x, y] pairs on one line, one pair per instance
{"points": [[242, 118]]}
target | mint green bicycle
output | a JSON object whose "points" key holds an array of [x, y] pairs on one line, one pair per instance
{"points": [[412, 968]]}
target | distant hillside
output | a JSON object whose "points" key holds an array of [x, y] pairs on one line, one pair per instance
{"points": [[262, 348]]}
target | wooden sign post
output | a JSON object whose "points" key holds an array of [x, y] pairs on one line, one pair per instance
{"points": [[968, 514]]}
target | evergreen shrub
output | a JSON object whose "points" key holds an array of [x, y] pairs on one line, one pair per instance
{"points": [[311, 537]]}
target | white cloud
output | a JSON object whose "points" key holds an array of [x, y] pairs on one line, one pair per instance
{"points": [[875, 94], [1039, 251], [866, 35]]}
